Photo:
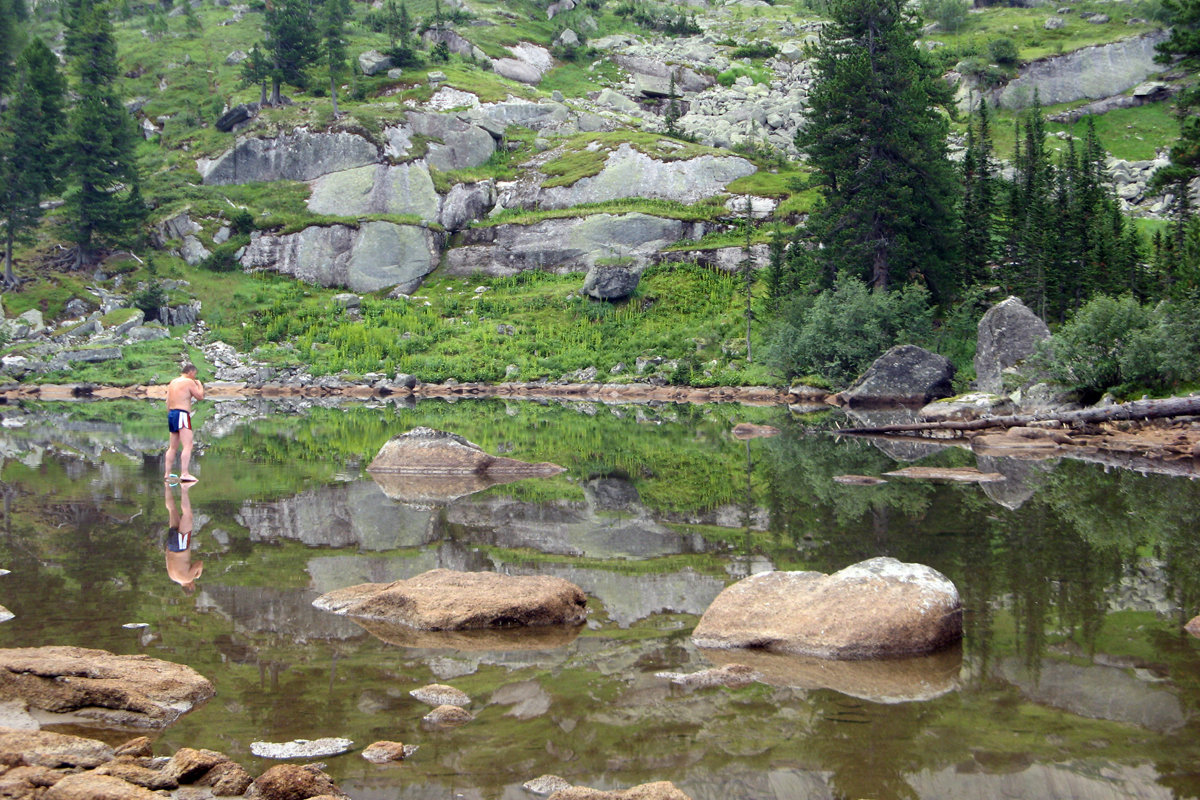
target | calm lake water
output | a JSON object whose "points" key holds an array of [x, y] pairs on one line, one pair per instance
{"points": [[1074, 679]]}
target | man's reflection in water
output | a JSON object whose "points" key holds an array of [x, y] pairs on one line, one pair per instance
{"points": [[179, 540]]}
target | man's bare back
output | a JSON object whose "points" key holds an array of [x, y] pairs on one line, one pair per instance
{"points": [[181, 391]]}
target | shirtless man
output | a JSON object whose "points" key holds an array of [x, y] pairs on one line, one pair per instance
{"points": [[180, 393], [179, 542]]}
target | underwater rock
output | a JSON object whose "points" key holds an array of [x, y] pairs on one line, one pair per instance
{"points": [[448, 715], [877, 608], [732, 676], [438, 694], [425, 451], [446, 600], [384, 752], [659, 790], [748, 430]]}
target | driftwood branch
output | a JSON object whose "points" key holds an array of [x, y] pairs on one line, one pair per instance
{"points": [[1136, 410]]}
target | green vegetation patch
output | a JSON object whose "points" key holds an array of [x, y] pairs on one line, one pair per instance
{"points": [[671, 209]]}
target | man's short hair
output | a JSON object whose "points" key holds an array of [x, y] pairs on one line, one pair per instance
{"points": [[186, 367]]}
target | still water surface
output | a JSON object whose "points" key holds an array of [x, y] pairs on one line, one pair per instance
{"points": [[1074, 678]]}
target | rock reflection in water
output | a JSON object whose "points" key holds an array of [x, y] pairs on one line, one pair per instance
{"points": [[897, 448], [434, 490], [542, 637], [902, 680]]}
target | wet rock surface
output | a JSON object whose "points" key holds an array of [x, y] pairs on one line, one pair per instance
{"points": [[904, 375], [60, 683], [876, 608], [442, 599], [1008, 334]]}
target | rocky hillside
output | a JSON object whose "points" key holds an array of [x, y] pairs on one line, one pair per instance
{"points": [[603, 140]]}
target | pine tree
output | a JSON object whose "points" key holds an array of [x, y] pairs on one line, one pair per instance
{"points": [[334, 14], [292, 41], [28, 157], [102, 206], [256, 71], [9, 38], [1182, 49], [672, 114], [889, 195], [979, 196], [191, 20]]}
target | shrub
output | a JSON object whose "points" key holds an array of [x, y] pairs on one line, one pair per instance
{"points": [[950, 15], [762, 49], [1003, 51], [839, 332], [150, 299]]}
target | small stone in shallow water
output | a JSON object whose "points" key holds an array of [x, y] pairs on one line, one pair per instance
{"points": [[448, 715], [301, 748], [546, 784], [439, 694], [135, 625], [733, 676], [384, 752]]}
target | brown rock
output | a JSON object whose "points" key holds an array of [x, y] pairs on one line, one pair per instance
{"points": [[747, 430], [659, 790], [26, 781], [292, 782], [48, 749], [952, 474], [425, 451], [97, 686], [129, 770], [385, 752], [189, 765], [448, 715], [90, 786], [873, 609], [227, 779], [139, 746], [443, 599], [1193, 627]]}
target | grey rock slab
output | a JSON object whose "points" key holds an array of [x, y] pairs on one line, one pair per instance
{"points": [[610, 282], [516, 70], [296, 156], [904, 374], [372, 62], [456, 143], [496, 117], [377, 189], [192, 251], [301, 748], [467, 202], [386, 254], [617, 101], [1008, 334]]}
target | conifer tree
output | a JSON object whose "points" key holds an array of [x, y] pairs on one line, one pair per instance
{"points": [[889, 195], [1182, 47], [191, 20], [29, 132], [334, 14], [672, 114], [292, 40], [256, 71], [979, 196], [9, 41], [101, 201]]}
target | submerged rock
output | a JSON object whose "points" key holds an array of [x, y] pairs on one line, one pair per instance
{"points": [[448, 715], [545, 784], [384, 752], [659, 790], [443, 599], [878, 608], [438, 694], [75, 683], [731, 675], [748, 430], [905, 375]]}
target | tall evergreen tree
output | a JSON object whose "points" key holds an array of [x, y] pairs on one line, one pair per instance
{"points": [[256, 71], [1182, 47], [102, 201], [292, 39], [9, 38], [889, 195], [29, 132], [979, 196], [334, 14]]}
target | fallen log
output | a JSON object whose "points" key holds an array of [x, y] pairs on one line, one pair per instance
{"points": [[1135, 410]]}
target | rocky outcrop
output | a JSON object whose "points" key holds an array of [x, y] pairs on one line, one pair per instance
{"points": [[904, 375], [1089, 73], [373, 256], [465, 203], [295, 156], [425, 451], [563, 245], [628, 172], [610, 282], [452, 141], [496, 117], [528, 64], [445, 600], [373, 62], [94, 686], [879, 608], [377, 189], [1008, 334]]}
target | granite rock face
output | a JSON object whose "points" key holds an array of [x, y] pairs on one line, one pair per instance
{"points": [[610, 282], [374, 256], [295, 156], [377, 189], [446, 600], [1009, 333], [878, 608]]}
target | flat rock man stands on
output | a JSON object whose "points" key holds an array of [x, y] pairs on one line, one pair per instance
{"points": [[180, 393]]}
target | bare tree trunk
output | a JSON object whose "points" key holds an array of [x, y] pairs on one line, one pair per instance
{"points": [[275, 100]]}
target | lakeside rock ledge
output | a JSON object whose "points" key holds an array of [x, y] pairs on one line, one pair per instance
{"points": [[95, 687], [446, 600], [879, 608], [425, 451]]}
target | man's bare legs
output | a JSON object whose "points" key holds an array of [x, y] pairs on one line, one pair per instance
{"points": [[172, 449], [185, 460]]}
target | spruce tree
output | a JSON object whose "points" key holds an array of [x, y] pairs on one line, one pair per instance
{"points": [[292, 41], [889, 195], [101, 201], [256, 71], [334, 14], [10, 34], [1182, 49], [29, 131], [979, 196]]}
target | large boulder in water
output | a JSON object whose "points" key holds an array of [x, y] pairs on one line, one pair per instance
{"points": [[1009, 333], [446, 600], [98, 687], [880, 608], [425, 451], [904, 375]]}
